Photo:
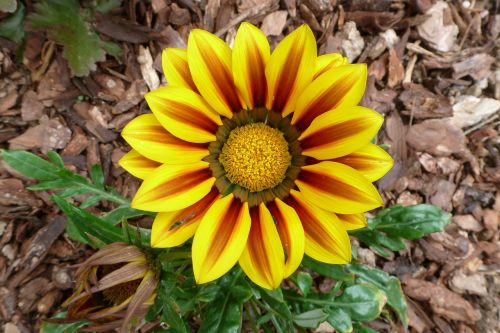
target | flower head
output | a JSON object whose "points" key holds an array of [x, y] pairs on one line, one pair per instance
{"points": [[115, 286], [260, 156]]}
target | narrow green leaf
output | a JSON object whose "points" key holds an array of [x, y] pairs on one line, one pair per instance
{"points": [[47, 327], [88, 223], [172, 317], [97, 175], [310, 319], [339, 319], [122, 213], [55, 158], [30, 165], [362, 302]]}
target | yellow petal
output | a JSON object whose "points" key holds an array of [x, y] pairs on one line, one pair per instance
{"points": [[290, 69], [328, 61], [326, 238], [263, 259], [291, 234], [137, 165], [220, 239], [250, 55], [338, 87], [337, 188], [371, 160], [353, 221], [209, 61], [174, 187], [148, 137], [176, 68], [174, 228], [184, 113], [340, 132]]}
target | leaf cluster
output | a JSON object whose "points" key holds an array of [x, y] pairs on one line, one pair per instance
{"points": [[68, 25], [82, 225], [386, 232]]}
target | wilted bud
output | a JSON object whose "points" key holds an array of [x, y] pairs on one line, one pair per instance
{"points": [[114, 289]]}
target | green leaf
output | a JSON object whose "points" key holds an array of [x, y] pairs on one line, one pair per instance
{"points": [[65, 25], [411, 222], [171, 315], [89, 224], [123, 213], [339, 319], [304, 282], [208, 293], [390, 285], [388, 228], [358, 328], [362, 302], [30, 165], [310, 319], [223, 315], [12, 26], [47, 327], [336, 272], [55, 158], [97, 175]]}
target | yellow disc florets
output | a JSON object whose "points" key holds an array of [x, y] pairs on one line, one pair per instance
{"points": [[255, 156]]}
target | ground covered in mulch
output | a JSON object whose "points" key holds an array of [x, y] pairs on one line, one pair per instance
{"points": [[432, 73]]}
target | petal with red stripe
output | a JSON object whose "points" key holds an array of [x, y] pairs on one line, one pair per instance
{"points": [[329, 61], [291, 234], [137, 165], [184, 113], [326, 238], [209, 60], [263, 259], [149, 138], [338, 87], [174, 187], [290, 69], [353, 221], [371, 160], [340, 132], [337, 188], [250, 55], [220, 238], [174, 228], [176, 68]]}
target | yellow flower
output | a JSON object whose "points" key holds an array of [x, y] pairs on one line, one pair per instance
{"points": [[260, 156], [114, 288]]}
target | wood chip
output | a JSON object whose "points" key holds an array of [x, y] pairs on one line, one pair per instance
{"points": [[273, 24], [442, 301]]}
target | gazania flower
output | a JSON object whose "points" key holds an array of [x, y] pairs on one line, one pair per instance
{"points": [[260, 156], [115, 287]]}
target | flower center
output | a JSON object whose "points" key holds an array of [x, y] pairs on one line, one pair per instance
{"points": [[255, 156]]}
